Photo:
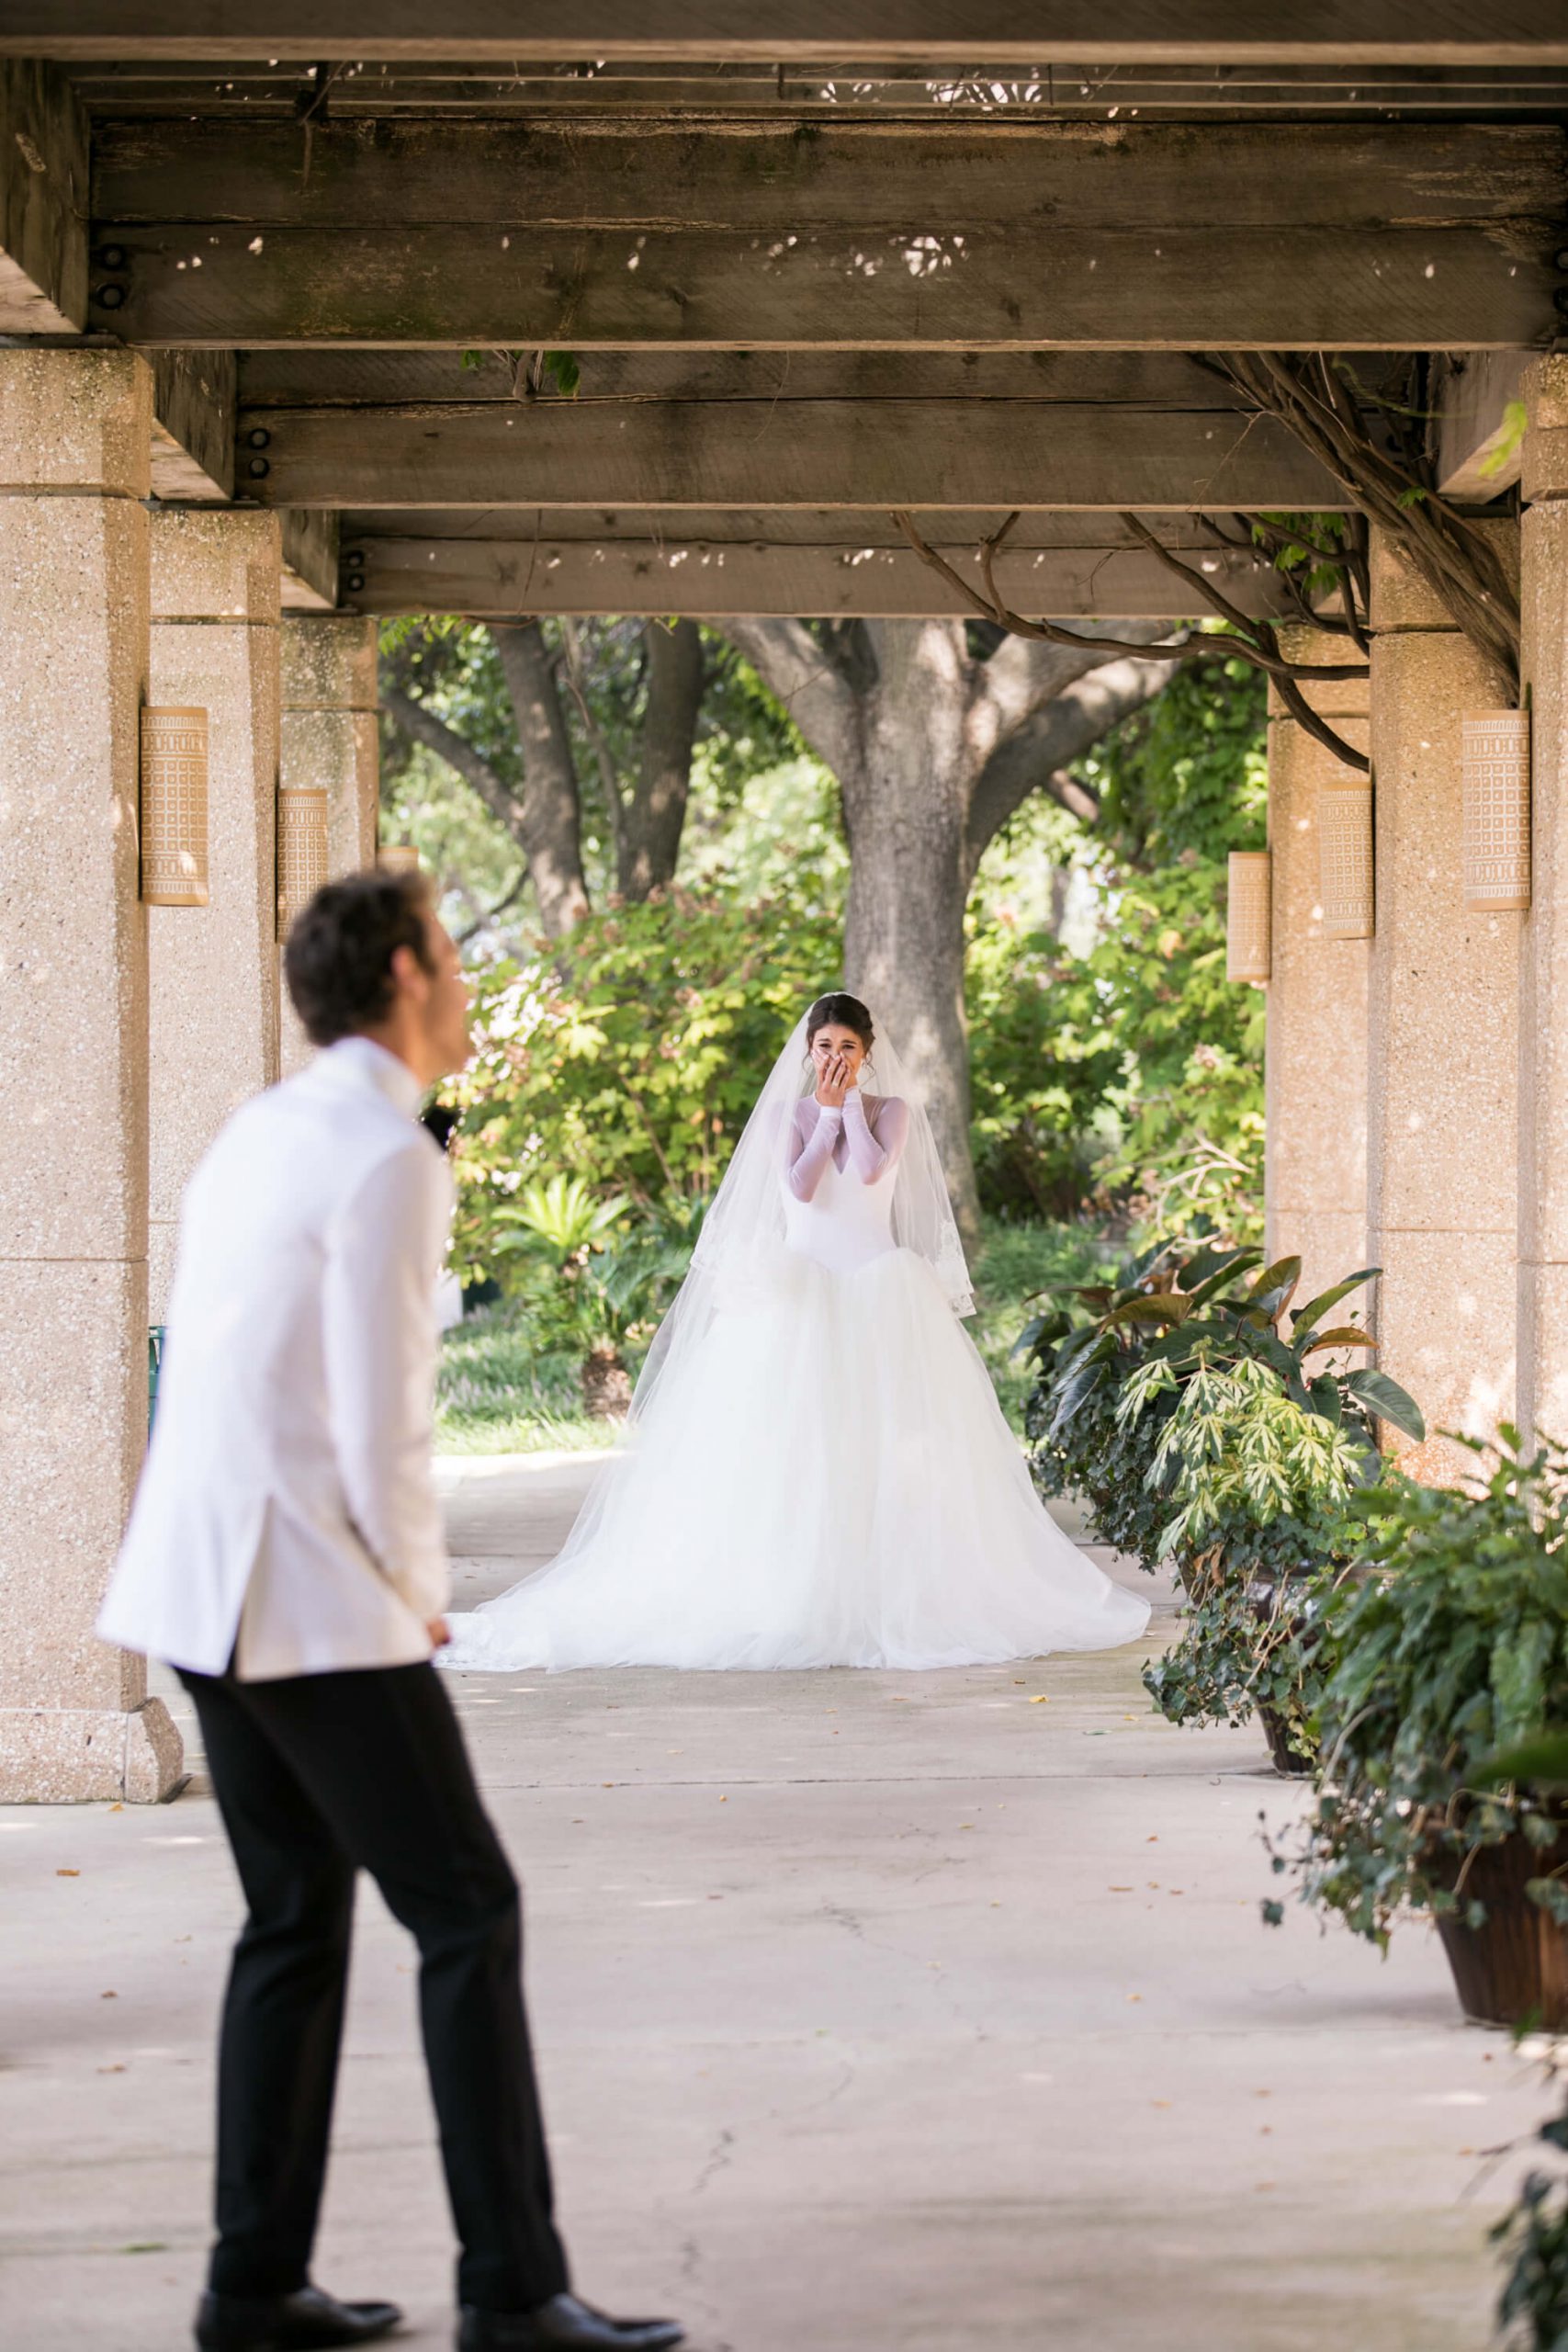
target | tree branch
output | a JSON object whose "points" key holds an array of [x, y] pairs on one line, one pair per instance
{"points": [[807, 679], [459, 754], [1253, 639], [1060, 731], [485, 916], [1311, 398]]}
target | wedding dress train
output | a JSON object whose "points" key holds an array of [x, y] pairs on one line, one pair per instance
{"points": [[821, 1477]]}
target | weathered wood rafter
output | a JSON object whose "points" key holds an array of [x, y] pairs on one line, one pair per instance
{"points": [[719, 574], [43, 201], [804, 176], [193, 425], [1353, 290], [1134, 31], [1153, 237], [1147, 381], [779, 454]]}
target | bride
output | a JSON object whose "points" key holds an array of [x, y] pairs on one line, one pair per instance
{"points": [[817, 1471]]}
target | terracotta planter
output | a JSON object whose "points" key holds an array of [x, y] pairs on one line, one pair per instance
{"points": [[1515, 1968]]}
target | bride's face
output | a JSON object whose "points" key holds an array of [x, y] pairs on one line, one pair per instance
{"points": [[836, 1045]]}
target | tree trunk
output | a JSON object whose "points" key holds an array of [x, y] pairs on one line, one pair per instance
{"points": [[933, 750], [905, 810], [552, 817], [653, 814]]}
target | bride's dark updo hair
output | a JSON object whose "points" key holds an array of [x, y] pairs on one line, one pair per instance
{"points": [[840, 1012]]}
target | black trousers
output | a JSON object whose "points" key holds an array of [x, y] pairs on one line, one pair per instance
{"points": [[318, 1777]]}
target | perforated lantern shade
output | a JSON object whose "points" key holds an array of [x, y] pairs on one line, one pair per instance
{"points": [[1347, 882], [301, 851], [174, 807], [1247, 917], [1496, 765]]}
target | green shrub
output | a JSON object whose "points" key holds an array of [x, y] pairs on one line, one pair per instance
{"points": [[1455, 1645], [627, 1059]]}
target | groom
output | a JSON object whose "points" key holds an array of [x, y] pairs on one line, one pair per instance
{"points": [[286, 1555]]}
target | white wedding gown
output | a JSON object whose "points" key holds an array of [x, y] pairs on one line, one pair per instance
{"points": [[825, 1480]]}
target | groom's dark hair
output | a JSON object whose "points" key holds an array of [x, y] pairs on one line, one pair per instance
{"points": [[338, 961]]}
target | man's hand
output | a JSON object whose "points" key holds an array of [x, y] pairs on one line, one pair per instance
{"points": [[440, 1632]]}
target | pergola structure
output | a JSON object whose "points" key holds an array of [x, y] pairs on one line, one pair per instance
{"points": [[313, 310]]}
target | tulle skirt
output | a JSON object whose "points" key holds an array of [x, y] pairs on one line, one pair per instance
{"points": [[825, 1480]]}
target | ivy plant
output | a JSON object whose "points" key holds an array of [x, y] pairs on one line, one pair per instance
{"points": [[1258, 1488], [1450, 1646]]}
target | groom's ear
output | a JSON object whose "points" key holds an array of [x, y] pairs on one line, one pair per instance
{"points": [[410, 976]]}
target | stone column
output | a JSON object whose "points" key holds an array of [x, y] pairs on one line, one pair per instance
{"points": [[216, 589], [1442, 1156], [1316, 1061], [76, 434], [331, 742], [1543, 969]]}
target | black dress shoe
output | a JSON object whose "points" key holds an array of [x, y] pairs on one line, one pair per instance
{"points": [[307, 2321], [563, 2325]]}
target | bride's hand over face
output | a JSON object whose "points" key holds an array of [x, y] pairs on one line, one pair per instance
{"points": [[834, 1080]]}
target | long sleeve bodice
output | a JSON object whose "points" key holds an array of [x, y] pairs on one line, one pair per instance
{"points": [[868, 1141]]}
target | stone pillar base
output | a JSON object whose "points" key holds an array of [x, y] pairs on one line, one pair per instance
{"points": [[81, 1755]]}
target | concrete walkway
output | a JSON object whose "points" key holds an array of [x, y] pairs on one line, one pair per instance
{"points": [[876, 2012]]}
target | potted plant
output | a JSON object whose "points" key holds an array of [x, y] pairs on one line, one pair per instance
{"points": [[1259, 1482], [1083, 1348], [1234, 1474], [1453, 1646]]}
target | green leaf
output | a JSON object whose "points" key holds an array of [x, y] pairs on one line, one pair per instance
{"points": [[1272, 1289], [1080, 1385], [1235, 1263], [1389, 1401], [1316, 1307], [1162, 1308], [1343, 1335]]}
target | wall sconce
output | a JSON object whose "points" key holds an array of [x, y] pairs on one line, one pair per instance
{"points": [[397, 857], [1346, 887], [301, 851], [1247, 915], [174, 807], [1496, 772]]}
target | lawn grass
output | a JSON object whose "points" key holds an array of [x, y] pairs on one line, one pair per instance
{"points": [[497, 1395]]}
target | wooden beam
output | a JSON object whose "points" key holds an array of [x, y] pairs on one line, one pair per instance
{"points": [[43, 201], [192, 425], [1479, 454], [744, 453], [960, 32], [246, 90], [707, 578], [1346, 290], [1045, 528], [310, 559], [951, 179], [303, 377]]}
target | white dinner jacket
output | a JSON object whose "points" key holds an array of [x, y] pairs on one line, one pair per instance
{"points": [[286, 1516]]}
